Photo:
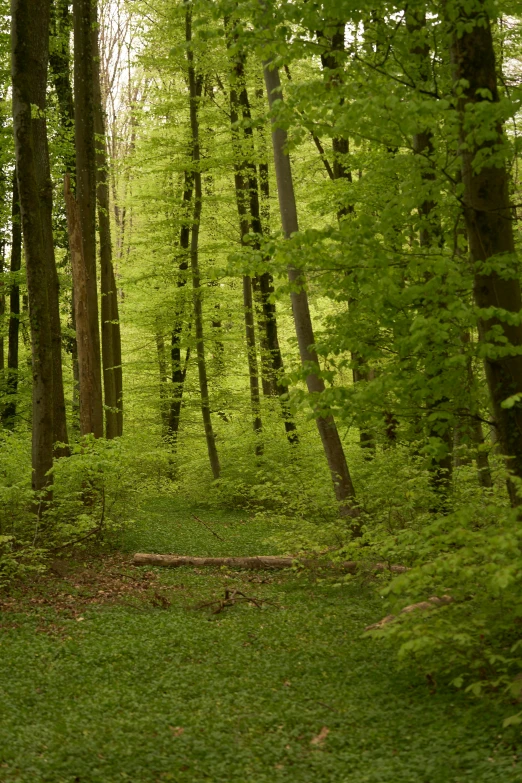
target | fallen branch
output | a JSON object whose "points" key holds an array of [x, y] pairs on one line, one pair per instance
{"points": [[208, 528], [431, 603], [258, 562]]}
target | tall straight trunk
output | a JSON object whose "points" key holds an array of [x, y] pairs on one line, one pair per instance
{"points": [[9, 412], [43, 174], [243, 188], [110, 324], [91, 406], [60, 65], [333, 449], [194, 252], [273, 369], [178, 370], [29, 50], [162, 367], [489, 225], [441, 467]]}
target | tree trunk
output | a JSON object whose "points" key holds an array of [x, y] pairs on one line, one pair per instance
{"points": [[272, 368], [489, 225], [441, 467], [91, 407], [29, 48], [178, 370], [162, 367], [43, 175], [244, 195], [59, 62], [110, 324], [9, 412], [344, 489], [194, 250]]}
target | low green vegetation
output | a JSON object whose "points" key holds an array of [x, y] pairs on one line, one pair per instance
{"points": [[111, 673]]}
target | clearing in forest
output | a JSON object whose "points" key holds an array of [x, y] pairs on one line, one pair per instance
{"points": [[114, 673]]}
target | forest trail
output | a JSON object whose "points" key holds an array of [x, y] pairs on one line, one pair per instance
{"points": [[139, 685]]}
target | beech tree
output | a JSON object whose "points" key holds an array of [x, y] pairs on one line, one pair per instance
{"points": [[29, 46]]}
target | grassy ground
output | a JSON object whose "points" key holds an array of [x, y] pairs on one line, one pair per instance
{"points": [[108, 673]]}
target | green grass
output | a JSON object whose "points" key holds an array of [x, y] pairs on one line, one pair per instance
{"points": [[139, 693]]}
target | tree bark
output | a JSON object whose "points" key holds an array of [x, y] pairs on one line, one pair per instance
{"points": [[43, 175], [333, 449], [91, 406], [9, 412], [110, 323], [243, 189], [260, 562], [178, 369], [441, 467], [489, 224], [272, 368], [194, 252], [29, 49]]}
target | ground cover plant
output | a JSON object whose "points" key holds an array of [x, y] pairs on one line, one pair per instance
{"points": [[110, 672]]}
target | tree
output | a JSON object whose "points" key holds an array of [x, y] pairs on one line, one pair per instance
{"points": [[29, 47], [488, 217], [89, 358], [344, 489]]}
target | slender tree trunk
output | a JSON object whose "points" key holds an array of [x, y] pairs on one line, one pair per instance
{"points": [[489, 225], [43, 174], [9, 412], [194, 253], [429, 237], [244, 195], [110, 324], [91, 407], [272, 368], [162, 367], [178, 370], [333, 449], [60, 65], [29, 49]]}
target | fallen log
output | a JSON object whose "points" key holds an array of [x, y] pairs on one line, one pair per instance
{"points": [[258, 562], [431, 603]]}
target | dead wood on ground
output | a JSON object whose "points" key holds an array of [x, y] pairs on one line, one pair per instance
{"points": [[260, 562], [431, 603]]}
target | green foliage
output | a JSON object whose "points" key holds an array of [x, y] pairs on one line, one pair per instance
{"points": [[137, 692]]}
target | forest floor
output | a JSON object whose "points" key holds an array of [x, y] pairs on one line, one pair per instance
{"points": [[111, 673]]}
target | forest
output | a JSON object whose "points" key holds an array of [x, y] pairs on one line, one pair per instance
{"points": [[260, 391]]}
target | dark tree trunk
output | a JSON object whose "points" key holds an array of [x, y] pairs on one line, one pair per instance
{"points": [[178, 369], [333, 449], [272, 368], [441, 467], [244, 195], [194, 253], [29, 47], [9, 412], [91, 406], [43, 173], [60, 73], [489, 226], [162, 367], [110, 324]]}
